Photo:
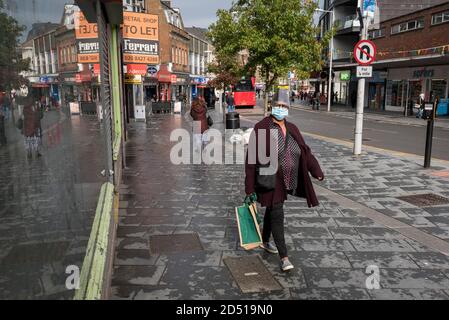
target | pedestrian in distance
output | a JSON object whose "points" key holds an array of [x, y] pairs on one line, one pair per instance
{"points": [[30, 124], [291, 176], [231, 102], [199, 113]]}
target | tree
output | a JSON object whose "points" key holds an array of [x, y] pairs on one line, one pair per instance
{"points": [[11, 62], [225, 36], [279, 35]]}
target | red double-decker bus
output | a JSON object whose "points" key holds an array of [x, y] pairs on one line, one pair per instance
{"points": [[245, 93]]}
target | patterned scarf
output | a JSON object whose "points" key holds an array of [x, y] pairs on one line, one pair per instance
{"points": [[288, 157]]}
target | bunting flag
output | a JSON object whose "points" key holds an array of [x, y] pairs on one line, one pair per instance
{"points": [[443, 50]]}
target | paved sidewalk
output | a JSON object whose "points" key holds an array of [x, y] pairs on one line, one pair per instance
{"points": [[331, 245], [386, 116]]}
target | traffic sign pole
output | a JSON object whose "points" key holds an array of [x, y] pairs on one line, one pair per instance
{"points": [[364, 53]]}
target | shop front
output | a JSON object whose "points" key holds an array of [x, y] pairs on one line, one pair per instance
{"points": [[198, 84], [404, 86], [180, 86], [341, 87], [48, 88], [164, 77]]}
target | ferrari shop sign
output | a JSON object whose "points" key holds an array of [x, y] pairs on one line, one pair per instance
{"points": [[86, 40], [140, 38]]}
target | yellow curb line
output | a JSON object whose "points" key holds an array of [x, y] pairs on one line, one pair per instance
{"points": [[370, 148]]}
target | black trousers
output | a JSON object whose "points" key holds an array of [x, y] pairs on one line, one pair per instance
{"points": [[273, 223]]}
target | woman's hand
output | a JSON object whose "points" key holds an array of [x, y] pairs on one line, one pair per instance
{"points": [[320, 178]]}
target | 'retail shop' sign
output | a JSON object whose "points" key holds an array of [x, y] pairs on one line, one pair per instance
{"points": [[140, 39]]}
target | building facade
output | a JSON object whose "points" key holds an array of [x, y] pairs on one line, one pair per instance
{"points": [[173, 75], [413, 56], [200, 55], [76, 80], [348, 34]]}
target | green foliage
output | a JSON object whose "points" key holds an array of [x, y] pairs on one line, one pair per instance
{"points": [[279, 36], [225, 35], [11, 62]]}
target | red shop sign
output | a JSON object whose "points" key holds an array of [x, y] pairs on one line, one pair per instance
{"points": [[137, 69]]}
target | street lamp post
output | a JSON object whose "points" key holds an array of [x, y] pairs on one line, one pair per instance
{"points": [[331, 59]]}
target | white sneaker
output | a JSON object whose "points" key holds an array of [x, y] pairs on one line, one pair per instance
{"points": [[286, 265], [268, 247]]}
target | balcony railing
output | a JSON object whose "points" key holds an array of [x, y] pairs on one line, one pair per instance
{"points": [[347, 22]]}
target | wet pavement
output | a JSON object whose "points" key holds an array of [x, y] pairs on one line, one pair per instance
{"points": [[331, 246], [47, 205]]}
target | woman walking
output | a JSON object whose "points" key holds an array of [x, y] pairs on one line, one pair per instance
{"points": [[199, 113], [295, 161]]}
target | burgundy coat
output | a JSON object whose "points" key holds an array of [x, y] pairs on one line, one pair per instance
{"points": [[199, 113], [307, 163]]}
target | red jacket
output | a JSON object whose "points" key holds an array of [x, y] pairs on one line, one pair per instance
{"points": [[307, 163]]}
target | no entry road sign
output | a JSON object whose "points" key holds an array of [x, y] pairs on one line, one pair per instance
{"points": [[365, 52]]}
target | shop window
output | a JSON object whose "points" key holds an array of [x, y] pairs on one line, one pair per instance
{"points": [[439, 88], [395, 93]]}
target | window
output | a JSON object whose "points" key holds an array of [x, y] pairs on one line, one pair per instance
{"points": [[440, 18], [408, 26], [374, 34]]}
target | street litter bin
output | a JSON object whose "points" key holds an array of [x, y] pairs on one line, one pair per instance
{"points": [[233, 120]]}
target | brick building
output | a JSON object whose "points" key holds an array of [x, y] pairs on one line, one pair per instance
{"points": [[413, 57], [174, 76], [348, 32]]}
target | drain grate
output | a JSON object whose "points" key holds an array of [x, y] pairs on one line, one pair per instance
{"points": [[173, 243], [36, 253], [251, 274], [425, 200]]}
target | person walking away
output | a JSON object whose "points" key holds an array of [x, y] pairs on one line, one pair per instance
{"points": [[30, 125], [295, 161], [31, 129], [199, 113]]}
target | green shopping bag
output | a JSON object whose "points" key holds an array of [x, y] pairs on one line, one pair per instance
{"points": [[248, 225]]}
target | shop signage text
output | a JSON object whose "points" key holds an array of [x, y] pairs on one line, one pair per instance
{"points": [[423, 73], [364, 72], [87, 40], [140, 38], [137, 69]]}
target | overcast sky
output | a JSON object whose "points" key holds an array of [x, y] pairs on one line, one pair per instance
{"points": [[200, 13]]}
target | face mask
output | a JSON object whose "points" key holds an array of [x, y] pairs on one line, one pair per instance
{"points": [[279, 113]]}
